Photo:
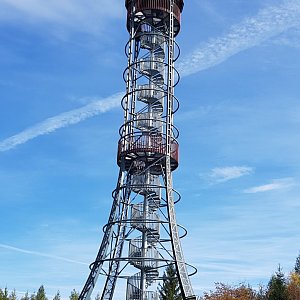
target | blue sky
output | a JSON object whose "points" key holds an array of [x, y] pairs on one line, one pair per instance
{"points": [[239, 120]]}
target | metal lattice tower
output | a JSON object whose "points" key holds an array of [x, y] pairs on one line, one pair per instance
{"points": [[142, 236]]}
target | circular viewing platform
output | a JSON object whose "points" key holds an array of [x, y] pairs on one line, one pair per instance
{"points": [[151, 149], [155, 12]]}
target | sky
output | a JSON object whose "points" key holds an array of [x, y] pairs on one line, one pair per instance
{"points": [[61, 65]]}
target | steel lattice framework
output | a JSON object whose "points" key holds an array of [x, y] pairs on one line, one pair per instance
{"points": [[142, 236]]}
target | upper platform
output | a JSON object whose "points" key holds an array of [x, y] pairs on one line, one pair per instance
{"points": [[154, 12]]}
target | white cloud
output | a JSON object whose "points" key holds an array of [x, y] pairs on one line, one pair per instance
{"points": [[228, 173], [41, 254], [90, 15], [276, 184], [269, 22], [63, 120]]}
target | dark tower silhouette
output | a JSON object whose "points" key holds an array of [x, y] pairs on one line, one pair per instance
{"points": [[142, 236]]}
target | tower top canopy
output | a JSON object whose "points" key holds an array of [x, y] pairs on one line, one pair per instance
{"points": [[154, 12], [157, 3]]}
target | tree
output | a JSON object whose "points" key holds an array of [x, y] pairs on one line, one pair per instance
{"points": [[57, 296], [297, 264], [33, 296], [13, 295], [277, 287], [25, 297], [4, 294], [227, 292], [74, 295], [293, 286], [169, 290], [261, 294], [41, 295]]}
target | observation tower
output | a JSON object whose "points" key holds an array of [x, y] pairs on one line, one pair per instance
{"points": [[142, 236]]}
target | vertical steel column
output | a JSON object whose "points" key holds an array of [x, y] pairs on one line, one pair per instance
{"points": [[184, 281]]}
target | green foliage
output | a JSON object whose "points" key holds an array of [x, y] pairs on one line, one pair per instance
{"points": [[297, 264], [25, 297], [74, 295], [4, 294], [169, 290], [57, 296], [277, 286], [13, 295], [41, 295], [32, 296]]}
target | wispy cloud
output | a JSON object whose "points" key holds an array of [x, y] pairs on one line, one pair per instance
{"points": [[41, 254], [229, 173], [269, 22], [63, 120], [87, 16], [276, 184]]}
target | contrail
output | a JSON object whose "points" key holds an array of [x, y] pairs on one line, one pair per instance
{"points": [[62, 120], [42, 254], [268, 23]]}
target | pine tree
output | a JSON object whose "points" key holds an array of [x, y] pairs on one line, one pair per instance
{"points": [[41, 295], [13, 295], [33, 296], [74, 295], [57, 296], [277, 287], [297, 264], [25, 297], [4, 294], [169, 290]]}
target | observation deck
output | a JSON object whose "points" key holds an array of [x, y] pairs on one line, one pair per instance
{"points": [[149, 149], [156, 12]]}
